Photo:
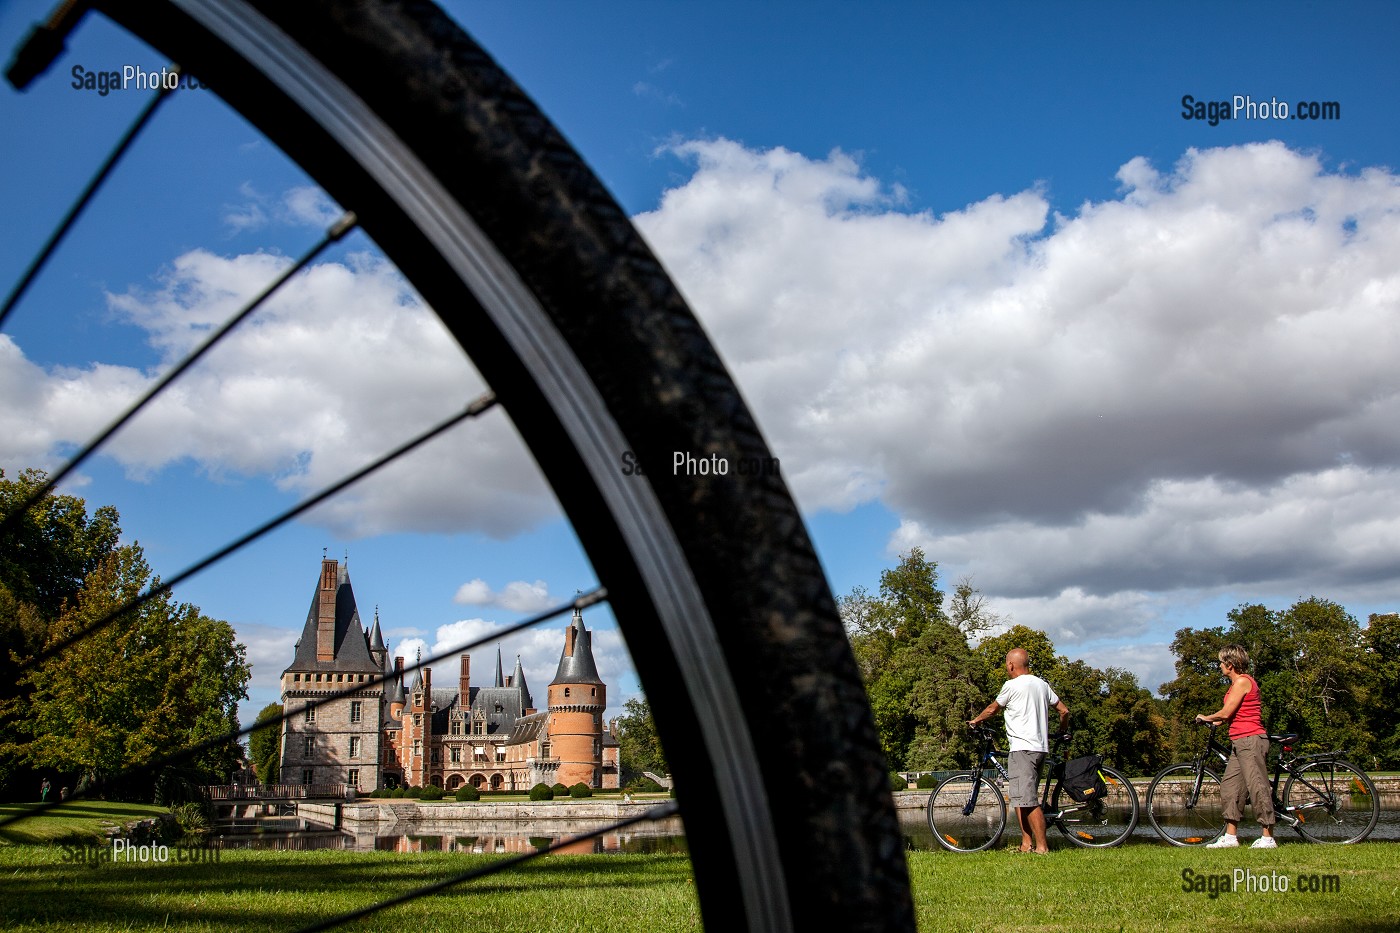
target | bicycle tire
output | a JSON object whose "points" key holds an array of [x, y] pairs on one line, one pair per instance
{"points": [[1334, 801], [1099, 824], [542, 279], [1172, 819], [972, 832]]}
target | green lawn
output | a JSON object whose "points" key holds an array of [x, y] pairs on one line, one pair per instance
{"points": [[1136, 888], [74, 818]]}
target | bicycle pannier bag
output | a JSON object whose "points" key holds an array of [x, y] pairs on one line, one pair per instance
{"points": [[1081, 779]]}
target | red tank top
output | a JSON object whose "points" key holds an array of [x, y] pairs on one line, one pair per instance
{"points": [[1248, 719]]}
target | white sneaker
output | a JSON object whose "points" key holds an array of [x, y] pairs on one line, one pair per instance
{"points": [[1264, 842], [1225, 842]]}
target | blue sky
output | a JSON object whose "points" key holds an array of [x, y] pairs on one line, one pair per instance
{"points": [[986, 289]]}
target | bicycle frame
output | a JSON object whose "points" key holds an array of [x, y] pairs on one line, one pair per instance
{"points": [[1286, 763]]}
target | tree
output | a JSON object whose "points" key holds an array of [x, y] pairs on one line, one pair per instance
{"points": [[1381, 643], [916, 665], [639, 747], [159, 678], [1197, 688], [265, 744]]}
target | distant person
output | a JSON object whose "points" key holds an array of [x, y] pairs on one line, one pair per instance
{"points": [[1027, 700], [1246, 774], [63, 793], [44, 791]]}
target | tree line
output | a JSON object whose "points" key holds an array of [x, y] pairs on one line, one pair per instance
{"points": [[930, 662], [158, 678]]}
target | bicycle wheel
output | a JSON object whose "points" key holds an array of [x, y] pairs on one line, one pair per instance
{"points": [[541, 278], [1334, 802], [1098, 824], [959, 824], [1173, 813]]}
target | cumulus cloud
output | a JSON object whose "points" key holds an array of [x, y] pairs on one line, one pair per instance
{"points": [[1191, 385], [516, 596], [342, 365]]}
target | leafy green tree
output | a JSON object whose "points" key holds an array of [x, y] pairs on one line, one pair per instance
{"points": [[45, 554], [159, 678], [265, 744], [1382, 656], [1329, 677], [639, 747], [916, 663], [1197, 688]]}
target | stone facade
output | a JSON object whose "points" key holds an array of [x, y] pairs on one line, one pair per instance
{"points": [[400, 733]]}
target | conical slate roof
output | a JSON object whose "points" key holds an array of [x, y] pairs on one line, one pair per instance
{"points": [[517, 680], [351, 649], [576, 665]]}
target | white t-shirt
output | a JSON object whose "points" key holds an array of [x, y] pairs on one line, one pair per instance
{"points": [[1027, 700]]}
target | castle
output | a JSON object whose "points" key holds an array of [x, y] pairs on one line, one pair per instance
{"points": [[410, 733]]}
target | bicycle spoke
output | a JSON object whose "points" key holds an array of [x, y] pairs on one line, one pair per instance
{"points": [[580, 602], [481, 404], [334, 233]]}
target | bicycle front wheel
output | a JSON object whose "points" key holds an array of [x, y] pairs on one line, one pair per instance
{"points": [[1333, 801], [1182, 812], [1102, 823], [573, 323], [962, 824]]}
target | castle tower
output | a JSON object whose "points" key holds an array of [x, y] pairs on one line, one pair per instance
{"points": [[577, 698], [339, 741]]}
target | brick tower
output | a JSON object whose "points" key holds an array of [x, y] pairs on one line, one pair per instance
{"points": [[577, 698]]}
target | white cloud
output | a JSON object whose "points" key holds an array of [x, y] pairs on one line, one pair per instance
{"points": [[1190, 385], [516, 596], [342, 365]]}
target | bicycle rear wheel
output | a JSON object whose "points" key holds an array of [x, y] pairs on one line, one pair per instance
{"points": [[1334, 801], [543, 281], [1102, 823], [1180, 814], [961, 824]]}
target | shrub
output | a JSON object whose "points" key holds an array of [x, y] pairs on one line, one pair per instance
{"points": [[541, 792], [467, 792], [415, 792], [431, 792], [580, 790], [927, 782], [396, 792], [644, 785], [560, 790], [897, 781]]}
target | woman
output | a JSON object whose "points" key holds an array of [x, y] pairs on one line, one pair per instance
{"points": [[1246, 774]]}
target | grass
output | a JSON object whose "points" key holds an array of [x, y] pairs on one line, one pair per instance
{"points": [[1135, 888], [72, 819]]}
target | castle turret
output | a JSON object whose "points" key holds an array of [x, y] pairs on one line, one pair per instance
{"points": [[577, 698]]}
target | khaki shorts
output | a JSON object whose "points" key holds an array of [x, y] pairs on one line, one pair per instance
{"points": [[1024, 768]]}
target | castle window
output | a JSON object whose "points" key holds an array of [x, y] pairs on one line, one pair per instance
{"points": [[456, 753], [354, 710], [456, 727], [476, 727], [354, 749], [306, 775], [340, 678], [417, 748], [500, 753], [310, 713], [566, 691], [296, 678], [437, 754], [352, 777], [308, 746], [418, 719], [593, 691]]}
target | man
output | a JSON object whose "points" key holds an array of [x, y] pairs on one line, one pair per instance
{"points": [[1027, 700]]}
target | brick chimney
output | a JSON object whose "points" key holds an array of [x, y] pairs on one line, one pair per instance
{"points": [[325, 610], [464, 683]]}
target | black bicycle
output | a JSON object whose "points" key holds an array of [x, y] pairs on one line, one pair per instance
{"points": [[1326, 798], [967, 810]]}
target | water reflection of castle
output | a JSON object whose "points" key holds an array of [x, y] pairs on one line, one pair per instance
{"points": [[411, 733]]}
